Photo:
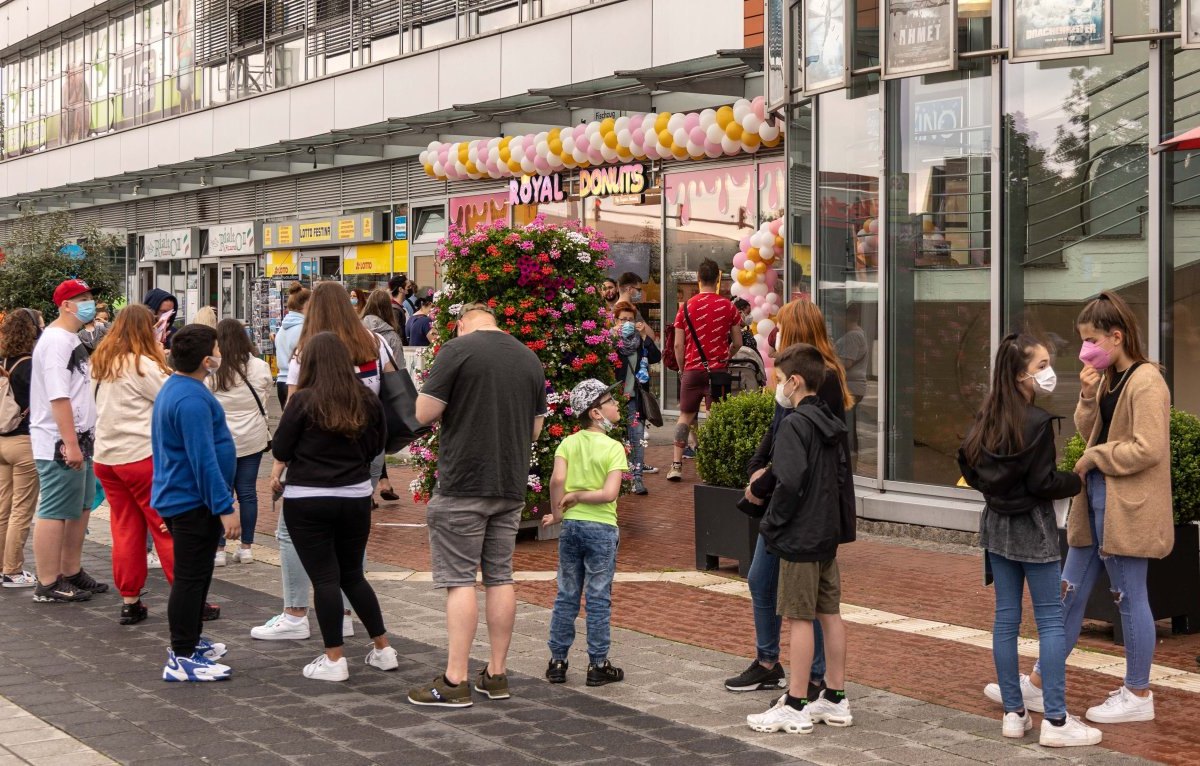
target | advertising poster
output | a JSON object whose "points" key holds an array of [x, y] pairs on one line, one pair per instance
{"points": [[825, 45], [1191, 23], [1056, 29], [776, 77], [920, 37]]}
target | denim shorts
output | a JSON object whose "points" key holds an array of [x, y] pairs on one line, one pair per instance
{"points": [[470, 533], [64, 492]]}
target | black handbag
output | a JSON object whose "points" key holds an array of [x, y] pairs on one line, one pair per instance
{"points": [[399, 396], [262, 410], [651, 411], [720, 382]]}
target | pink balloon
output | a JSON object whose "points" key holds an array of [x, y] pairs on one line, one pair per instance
{"points": [[711, 148], [698, 136], [531, 152], [595, 157], [772, 277], [739, 261], [542, 166], [745, 243], [759, 106], [690, 122], [635, 122], [637, 136]]}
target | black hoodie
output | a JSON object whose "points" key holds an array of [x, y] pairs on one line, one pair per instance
{"points": [[805, 518], [155, 299]]}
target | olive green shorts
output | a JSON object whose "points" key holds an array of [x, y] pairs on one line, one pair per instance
{"points": [[809, 588]]}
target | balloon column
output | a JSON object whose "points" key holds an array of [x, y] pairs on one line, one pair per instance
{"points": [[756, 281], [743, 126]]}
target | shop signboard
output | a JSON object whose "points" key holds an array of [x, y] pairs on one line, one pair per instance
{"points": [[775, 82], [170, 245], [368, 259], [613, 180], [336, 230], [400, 228], [1057, 29], [919, 37], [938, 122], [282, 263], [1191, 23], [530, 190], [826, 46], [234, 239]]}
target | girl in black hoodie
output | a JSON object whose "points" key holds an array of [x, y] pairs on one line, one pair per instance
{"points": [[1009, 456]]}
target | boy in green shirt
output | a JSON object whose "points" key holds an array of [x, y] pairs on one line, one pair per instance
{"points": [[588, 467]]}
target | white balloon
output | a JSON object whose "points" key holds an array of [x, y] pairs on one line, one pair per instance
{"points": [[580, 156], [439, 169], [592, 129], [714, 133], [729, 146], [751, 123], [610, 155], [762, 341], [675, 122], [554, 160], [624, 137], [758, 288], [768, 132], [681, 137], [694, 149], [772, 298], [527, 166], [741, 108], [708, 118], [757, 314], [596, 141], [621, 123], [736, 289], [568, 144], [765, 326], [733, 274]]}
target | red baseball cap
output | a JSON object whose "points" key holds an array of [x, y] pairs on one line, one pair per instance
{"points": [[70, 289]]}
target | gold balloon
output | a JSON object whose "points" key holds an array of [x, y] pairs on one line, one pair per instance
{"points": [[725, 116], [733, 131], [753, 254]]}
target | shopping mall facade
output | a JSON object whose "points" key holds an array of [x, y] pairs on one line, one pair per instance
{"points": [[237, 145]]}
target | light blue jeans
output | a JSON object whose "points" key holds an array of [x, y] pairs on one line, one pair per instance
{"points": [[763, 580], [1127, 577], [587, 561], [1010, 578]]}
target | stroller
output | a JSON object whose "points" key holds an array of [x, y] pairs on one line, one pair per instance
{"points": [[748, 372]]}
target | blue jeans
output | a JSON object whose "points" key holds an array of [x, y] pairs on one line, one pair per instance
{"points": [[587, 561], [245, 486], [1127, 576], [1010, 578], [763, 580], [637, 450]]}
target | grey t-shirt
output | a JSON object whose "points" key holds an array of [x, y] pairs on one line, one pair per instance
{"points": [[493, 387]]}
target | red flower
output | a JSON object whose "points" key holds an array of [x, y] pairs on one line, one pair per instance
{"points": [[591, 359], [491, 303], [511, 323], [493, 251], [509, 311], [577, 363], [529, 317], [526, 303], [556, 430], [508, 268], [527, 329]]}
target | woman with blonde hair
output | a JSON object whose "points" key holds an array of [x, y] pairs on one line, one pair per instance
{"points": [[799, 321], [128, 369], [206, 316]]}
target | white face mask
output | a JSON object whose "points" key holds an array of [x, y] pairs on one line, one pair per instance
{"points": [[605, 424], [212, 364], [782, 399], [1045, 379]]}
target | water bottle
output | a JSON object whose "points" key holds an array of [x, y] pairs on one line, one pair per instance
{"points": [[643, 372]]}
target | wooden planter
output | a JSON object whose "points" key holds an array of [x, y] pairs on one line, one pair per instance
{"points": [[722, 531], [532, 528], [1173, 584]]}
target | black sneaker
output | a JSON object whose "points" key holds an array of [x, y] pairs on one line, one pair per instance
{"points": [[84, 581], [599, 675], [59, 592], [556, 673], [132, 614], [757, 678], [211, 612]]}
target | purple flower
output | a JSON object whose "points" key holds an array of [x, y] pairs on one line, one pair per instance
{"points": [[589, 324]]}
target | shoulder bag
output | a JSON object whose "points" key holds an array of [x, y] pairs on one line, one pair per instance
{"points": [[719, 381], [11, 413], [262, 410], [399, 396]]}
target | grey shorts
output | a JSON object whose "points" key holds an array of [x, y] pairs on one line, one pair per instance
{"points": [[470, 533]]}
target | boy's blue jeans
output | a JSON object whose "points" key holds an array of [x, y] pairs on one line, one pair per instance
{"points": [[1010, 578], [763, 580], [587, 561]]}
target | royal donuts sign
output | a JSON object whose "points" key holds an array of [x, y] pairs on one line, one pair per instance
{"points": [[596, 182]]}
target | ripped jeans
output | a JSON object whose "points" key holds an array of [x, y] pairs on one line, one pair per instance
{"points": [[1127, 576]]}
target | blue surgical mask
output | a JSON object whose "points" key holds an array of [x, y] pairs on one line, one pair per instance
{"points": [[628, 329], [85, 311], [353, 301]]}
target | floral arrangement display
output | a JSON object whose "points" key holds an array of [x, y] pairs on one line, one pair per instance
{"points": [[541, 281]]}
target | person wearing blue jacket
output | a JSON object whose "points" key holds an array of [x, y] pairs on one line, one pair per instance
{"points": [[288, 335], [194, 464]]}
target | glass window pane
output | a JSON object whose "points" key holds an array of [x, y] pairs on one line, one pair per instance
{"points": [[1182, 233], [939, 258], [847, 209]]}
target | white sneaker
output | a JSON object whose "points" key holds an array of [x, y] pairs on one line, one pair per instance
{"points": [[1074, 733], [1123, 706], [781, 717], [384, 659], [22, 579], [1030, 695], [1015, 725], [282, 627], [221, 559], [826, 711], [152, 561], [347, 626], [325, 669], [244, 556]]}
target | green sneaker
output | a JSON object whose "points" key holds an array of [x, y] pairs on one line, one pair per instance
{"points": [[440, 693], [494, 687]]}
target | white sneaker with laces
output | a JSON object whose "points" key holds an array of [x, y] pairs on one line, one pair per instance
{"points": [[1074, 733], [1123, 706], [22, 579], [244, 556], [347, 626], [152, 560], [1015, 725], [325, 669], [384, 659], [781, 717], [1030, 695], [826, 711], [221, 559], [282, 627]]}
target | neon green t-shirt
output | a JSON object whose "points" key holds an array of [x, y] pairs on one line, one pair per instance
{"points": [[590, 457]]}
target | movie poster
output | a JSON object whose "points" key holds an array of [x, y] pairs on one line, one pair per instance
{"points": [[1191, 23], [1055, 29], [825, 65], [920, 37]]}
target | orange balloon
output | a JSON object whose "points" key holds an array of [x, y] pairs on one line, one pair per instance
{"points": [[665, 138], [750, 140], [760, 268], [464, 153], [514, 166], [724, 116], [779, 243], [753, 255], [610, 140], [746, 277], [660, 122], [606, 125], [733, 131]]}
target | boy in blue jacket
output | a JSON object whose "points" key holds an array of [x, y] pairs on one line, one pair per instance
{"points": [[194, 462], [803, 526]]}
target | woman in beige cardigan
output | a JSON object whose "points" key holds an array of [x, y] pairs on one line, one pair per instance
{"points": [[1124, 518]]}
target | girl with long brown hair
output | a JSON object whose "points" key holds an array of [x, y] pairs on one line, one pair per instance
{"points": [[799, 321], [329, 435], [128, 369], [18, 471]]}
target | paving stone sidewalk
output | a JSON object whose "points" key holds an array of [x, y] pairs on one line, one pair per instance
{"points": [[77, 669]]}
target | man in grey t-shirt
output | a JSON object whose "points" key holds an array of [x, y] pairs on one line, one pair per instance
{"points": [[489, 392]]}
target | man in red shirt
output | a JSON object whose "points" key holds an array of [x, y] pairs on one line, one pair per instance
{"points": [[713, 321]]}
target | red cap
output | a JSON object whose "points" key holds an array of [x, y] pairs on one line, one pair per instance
{"points": [[70, 289]]}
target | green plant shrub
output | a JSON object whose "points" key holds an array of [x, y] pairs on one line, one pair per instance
{"points": [[1185, 464], [731, 434]]}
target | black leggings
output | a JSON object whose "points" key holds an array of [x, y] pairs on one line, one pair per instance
{"points": [[281, 392], [330, 535]]}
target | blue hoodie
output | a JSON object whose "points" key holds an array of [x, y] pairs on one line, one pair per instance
{"points": [[194, 456], [285, 342]]}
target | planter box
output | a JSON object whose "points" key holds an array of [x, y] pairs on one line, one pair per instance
{"points": [[722, 531], [1173, 584], [539, 532]]}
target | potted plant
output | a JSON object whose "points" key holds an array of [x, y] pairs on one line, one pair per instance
{"points": [[1173, 582], [728, 439]]}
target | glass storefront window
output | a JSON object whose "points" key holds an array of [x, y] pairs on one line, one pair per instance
{"points": [[1076, 138], [799, 225], [847, 210], [1181, 234], [939, 275]]}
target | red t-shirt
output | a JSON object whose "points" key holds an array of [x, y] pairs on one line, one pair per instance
{"points": [[712, 316]]}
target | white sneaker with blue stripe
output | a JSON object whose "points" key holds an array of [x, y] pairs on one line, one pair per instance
{"points": [[210, 649], [194, 668]]}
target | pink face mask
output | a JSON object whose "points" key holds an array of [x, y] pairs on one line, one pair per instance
{"points": [[1095, 356]]}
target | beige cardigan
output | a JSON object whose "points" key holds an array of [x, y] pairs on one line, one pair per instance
{"points": [[1136, 463]]}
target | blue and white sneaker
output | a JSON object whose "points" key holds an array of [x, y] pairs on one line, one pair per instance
{"points": [[194, 668], [210, 649]]}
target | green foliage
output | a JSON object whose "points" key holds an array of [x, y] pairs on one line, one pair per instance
{"points": [[1185, 464], [34, 263], [729, 437]]}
